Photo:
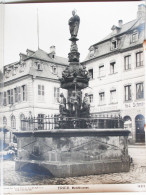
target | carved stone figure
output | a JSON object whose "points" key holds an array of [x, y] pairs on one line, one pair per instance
{"points": [[65, 73], [73, 102], [86, 102], [74, 24], [62, 106], [79, 100]]}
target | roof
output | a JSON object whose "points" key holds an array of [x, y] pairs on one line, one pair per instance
{"points": [[42, 55], [46, 72], [125, 27]]}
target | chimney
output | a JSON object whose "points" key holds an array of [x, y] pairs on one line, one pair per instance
{"points": [[120, 22], [141, 11], [52, 49]]}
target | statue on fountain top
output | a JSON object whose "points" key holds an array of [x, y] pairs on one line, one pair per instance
{"points": [[74, 24]]}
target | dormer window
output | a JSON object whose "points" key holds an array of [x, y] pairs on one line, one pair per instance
{"points": [[114, 45], [22, 66], [92, 51], [22, 56], [7, 72], [134, 36], [39, 66], [54, 69], [14, 69], [91, 73]]}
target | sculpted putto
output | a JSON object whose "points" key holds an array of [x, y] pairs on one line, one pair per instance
{"points": [[74, 24]]}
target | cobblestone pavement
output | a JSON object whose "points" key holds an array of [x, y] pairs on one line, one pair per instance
{"points": [[137, 173]]}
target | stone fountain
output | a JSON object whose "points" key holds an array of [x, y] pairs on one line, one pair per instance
{"points": [[77, 144], [75, 77]]}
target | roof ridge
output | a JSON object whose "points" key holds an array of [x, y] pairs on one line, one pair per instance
{"points": [[134, 23]]}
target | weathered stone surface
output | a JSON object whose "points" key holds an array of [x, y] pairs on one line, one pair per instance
{"points": [[65, 153]]}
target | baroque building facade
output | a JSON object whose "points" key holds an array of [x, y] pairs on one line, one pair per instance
{"points": [[31, 87], [116, 67]]}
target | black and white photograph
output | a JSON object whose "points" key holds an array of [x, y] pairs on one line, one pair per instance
{"points": [[72, 97]]}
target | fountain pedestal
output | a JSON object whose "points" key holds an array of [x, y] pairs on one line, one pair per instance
{"points": [[73, 152]]}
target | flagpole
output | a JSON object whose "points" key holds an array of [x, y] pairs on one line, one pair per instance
{"points": [[38, 27]]}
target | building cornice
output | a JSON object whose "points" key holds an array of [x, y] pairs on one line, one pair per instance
{"points": [[47, 79], [12, 81]]}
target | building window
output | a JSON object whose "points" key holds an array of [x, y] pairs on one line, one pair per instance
{"points": [[5, 98], [19, 93], [91, 98], [128, 93], [114, 45], [9, 96], [54, 69], [90, 73], [39, 66], [41, 91], [56, 94], [1, 98], [101, 98], [139, 59], [24, 93], [13, 122], [15, 94], [22, 66], [4, 121], [101, 71], [134, 36], [112, 67], [14, 70], [92, 51], [7, 72], [127, 62], [113, 98], [139, 91]]}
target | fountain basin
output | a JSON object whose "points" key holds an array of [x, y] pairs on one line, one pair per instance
{"points": [[73, 152]]}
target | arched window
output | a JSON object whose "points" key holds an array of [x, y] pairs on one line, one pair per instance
{"points": [[139, 124], [13, 122], [22, 122], [4, 121]]}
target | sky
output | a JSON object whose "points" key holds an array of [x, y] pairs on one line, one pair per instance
{"points": [[96, 20]]}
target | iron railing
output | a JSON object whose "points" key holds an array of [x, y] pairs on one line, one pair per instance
{"points": [[57, 122]]}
